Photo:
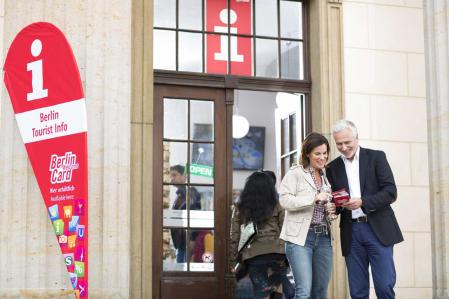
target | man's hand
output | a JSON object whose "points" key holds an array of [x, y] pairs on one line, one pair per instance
{"points": [[353, 204]]}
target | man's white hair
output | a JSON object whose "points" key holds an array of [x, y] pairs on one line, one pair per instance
{"points": [[342, 124]]}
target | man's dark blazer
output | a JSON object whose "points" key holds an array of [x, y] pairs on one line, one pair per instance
{"points": [[378, 191]]}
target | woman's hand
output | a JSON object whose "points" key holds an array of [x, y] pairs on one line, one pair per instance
{"points": [[322, 198]]}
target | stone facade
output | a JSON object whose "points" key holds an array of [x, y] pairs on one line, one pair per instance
{"points": [[383, 90], [385, 97], [437, 72]]}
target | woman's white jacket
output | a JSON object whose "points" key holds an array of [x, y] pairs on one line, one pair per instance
{"points": [[297, 196]]}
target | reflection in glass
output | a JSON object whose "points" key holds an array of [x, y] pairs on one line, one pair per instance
{"points": [[266, 18], [174, 249], [203, 217], [190, 14], [202, 253], [175, 159], [202, 120], [291, 19], [164, 50], [267, 58], [291, 60], [175, 119], [202, 163], [165, 13], [190, 52]]}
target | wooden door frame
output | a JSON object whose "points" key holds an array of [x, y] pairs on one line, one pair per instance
{"points": [[220, 182]]}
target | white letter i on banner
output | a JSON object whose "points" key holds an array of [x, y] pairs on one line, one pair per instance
{"points": [[37, 80]]}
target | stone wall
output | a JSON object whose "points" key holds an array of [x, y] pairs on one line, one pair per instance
{"points": [[386, 98]]}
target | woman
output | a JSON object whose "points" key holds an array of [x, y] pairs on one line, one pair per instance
{"points": [[258, 203], [304, 194]]}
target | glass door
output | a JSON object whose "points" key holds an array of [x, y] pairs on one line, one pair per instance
{"points": [[189, 196]]}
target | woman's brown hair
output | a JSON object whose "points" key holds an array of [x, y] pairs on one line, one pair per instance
{"points": [[312, 141]]}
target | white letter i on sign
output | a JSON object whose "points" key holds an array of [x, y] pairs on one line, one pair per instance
{"points": [[37, 80]]}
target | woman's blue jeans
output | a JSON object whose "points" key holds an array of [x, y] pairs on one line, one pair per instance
{"points": [[311, 265]]}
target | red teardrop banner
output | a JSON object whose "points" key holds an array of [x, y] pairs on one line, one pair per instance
{"points": [[46, 92]]}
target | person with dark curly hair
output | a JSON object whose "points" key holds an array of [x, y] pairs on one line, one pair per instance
{"points": [[265, 255]]}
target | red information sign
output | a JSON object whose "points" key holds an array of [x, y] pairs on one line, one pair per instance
{"points": [[239, 50], [45, 88]]}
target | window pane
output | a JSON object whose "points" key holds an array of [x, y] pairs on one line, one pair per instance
{"points": [[174, 202], [294, 159], [216, 15], [175, 119], [202, 120], [164, 50], [243, 17], [216, 54], [202, 255], [291, 19], [175, 159], [202, 163], [267, 58], [241, 56], [174, 249], [293, 133], [190, 52], [203, 214], [190, 12], [165, 13], [292, 60], [285, 164], [266, 17], [285, 146]]}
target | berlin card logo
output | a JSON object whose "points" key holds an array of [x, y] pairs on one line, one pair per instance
{"points": [[61, 168]]}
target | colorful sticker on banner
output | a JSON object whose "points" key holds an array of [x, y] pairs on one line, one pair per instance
{"points": [[79, 254], [44, 85], [80, 231], [67, 212], [53, 212], [79, 207], [218, 52], [68, 258]]}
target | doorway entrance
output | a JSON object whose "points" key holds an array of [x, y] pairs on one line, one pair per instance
{"points": [[198, 170], [189, 235]]}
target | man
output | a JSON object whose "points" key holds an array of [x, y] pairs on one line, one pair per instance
{"points": [[368, 226], [178, 235]]}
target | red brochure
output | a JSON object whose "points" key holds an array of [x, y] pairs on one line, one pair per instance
{"points": [[340, 197]]}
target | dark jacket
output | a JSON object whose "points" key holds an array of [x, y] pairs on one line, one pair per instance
{"points": [[378, 191], [267, 238], [178, 235]]}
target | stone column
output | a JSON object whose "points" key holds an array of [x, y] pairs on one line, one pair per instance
{"points": [[436, 21], [327, 100]]}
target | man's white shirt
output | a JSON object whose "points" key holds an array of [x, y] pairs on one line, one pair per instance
{"points": [[352, 172]]}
